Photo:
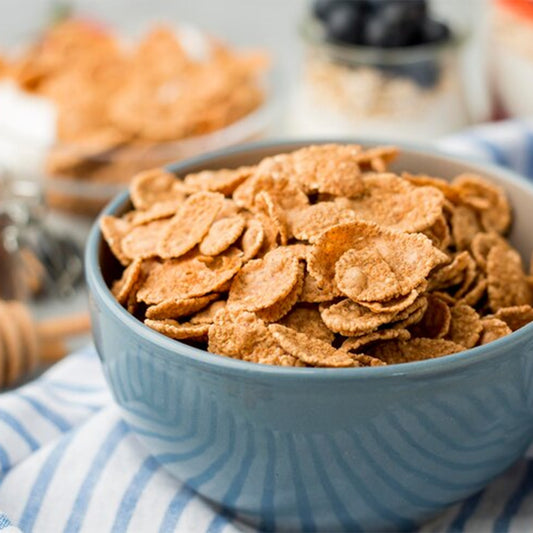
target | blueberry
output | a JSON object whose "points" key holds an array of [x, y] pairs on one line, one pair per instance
{"points": [[322, 8], [424, 73], [392, 27], [345, 22], [434, 31], [416, 9]]}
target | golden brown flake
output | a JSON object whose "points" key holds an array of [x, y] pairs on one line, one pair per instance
{"points": [[393, 202], [353, 344], [279, 309], [224, 181], [155, 186], [283, 190], [380, 264], [435, 323], [465, 226], [252, 239], [452, 274], [309, 223], [114, 230], [241, 335], [141, 241], [423, 180], [307, 320], [189, 277], [222, 234], [507, 284], [310, 350], [515, 317], [475, 293], [179, 308], [190, 225], [378, 158], [487, 199], [465, 327], [351, 319], [412, 315], [394, 352], [493, 329], [129, 282], [266, 203], [207, 316], [313, 293], [396, 304], [439, 233], [481, 245], [263, 282], [175, 330], [155, 212]]}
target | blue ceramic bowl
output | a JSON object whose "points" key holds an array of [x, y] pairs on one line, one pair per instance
{"points": [[321, 449]]}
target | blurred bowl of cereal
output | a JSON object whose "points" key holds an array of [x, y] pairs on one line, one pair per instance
{"points": [[83, 108], [239, 336]]}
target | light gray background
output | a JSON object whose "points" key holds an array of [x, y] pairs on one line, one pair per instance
{"points": [[252, 23]]}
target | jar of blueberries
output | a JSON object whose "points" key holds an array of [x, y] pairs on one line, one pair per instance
{"points": [[386, 69]]}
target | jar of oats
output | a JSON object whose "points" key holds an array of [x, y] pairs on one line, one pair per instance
{"points": [[379, 69]]}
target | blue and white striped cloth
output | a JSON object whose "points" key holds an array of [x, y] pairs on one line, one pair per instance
{"points": [[68, 463]]}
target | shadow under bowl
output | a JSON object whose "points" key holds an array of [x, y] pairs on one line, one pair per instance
{"points": [[321, 449]]}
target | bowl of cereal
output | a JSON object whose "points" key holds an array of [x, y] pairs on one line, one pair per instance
{"points": [[327, 337], [105, 104]]}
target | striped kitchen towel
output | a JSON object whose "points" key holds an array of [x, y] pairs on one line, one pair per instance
{"points": [[68, 463]]}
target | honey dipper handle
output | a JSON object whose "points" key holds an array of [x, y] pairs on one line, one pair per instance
{"points": [[61, 327], [52, 351]]}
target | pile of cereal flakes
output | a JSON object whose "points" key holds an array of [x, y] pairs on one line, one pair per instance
{"points": [[117, 103], [320, 257]]}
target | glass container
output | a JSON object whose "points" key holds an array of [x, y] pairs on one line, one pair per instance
{"points": [[413, 93]]}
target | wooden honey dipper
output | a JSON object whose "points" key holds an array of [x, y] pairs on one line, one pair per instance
{"points": [[25, 343]]}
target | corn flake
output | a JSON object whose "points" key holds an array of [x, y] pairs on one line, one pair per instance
{"points": [[241, 335], [515, 317], [358, 343], [493, 329], [175, 330], [310, 350], [114, 230], [141, 241], [189, 277], [252, 239], [222, 234], [155, 186], [190, 224], [262, 283], [393, 202], [507, 283], [394, 352], [351, 319], [179, 308], [435, 323], [380, 264], [224, 181], [488, 199], [465, 327], [308, 321]]}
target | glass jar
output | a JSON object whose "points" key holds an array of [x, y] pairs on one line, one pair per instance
{"points": [[413, 93]]}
